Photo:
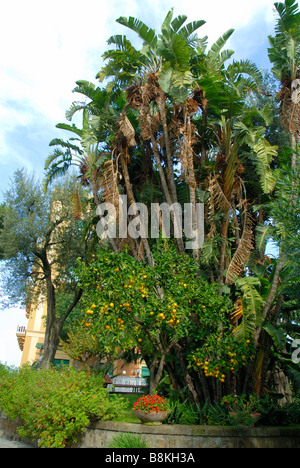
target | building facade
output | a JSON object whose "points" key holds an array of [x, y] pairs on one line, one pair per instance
{"points": [[31, 338]]}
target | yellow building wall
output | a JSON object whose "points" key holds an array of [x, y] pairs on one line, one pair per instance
{"points": [[35, 332]]}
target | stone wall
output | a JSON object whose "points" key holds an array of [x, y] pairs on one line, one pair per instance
{"points": [[100, 434], [166, 436]]}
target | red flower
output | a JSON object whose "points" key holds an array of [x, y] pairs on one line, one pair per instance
{"points": [[150, 403]]}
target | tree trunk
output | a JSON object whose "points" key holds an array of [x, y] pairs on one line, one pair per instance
{"points": [[165, 189], [224, 233], [156, 371], [155, 377], [54, 326], [131, 198], [162, 110], [50, 347], [188, 380], [294, 141]]}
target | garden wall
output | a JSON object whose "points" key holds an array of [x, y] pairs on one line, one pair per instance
{"points": [[166, 436], [100, 434]]}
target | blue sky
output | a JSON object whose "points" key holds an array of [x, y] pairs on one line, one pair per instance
{"points": [[47, 46]]}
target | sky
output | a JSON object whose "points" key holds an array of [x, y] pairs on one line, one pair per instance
{"points": [[47, 46]]}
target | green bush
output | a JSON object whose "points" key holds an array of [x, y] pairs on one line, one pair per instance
{"points": [[127, 440], [55, 406]]}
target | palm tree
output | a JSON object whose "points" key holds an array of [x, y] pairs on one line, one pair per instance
{"points": [[163, 68], [284, 54]]}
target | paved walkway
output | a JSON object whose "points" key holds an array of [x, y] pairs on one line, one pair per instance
{"points": [[6, 443]]}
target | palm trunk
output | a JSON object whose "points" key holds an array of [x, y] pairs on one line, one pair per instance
{"points": [[224, 233], [131, 199], [165, 188], [162, 112], [191, 179], [294, 143]]}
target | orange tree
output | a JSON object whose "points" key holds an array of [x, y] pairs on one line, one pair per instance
{"points": [[178, 320]]}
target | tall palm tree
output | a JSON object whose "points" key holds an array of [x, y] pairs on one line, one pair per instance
{"points": [[163, 68], [284, 54]]}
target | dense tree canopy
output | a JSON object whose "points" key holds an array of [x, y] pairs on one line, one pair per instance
{"points": [[175, 122]]}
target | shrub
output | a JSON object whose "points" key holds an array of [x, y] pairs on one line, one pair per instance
{"points": [[180, 412], [129, 441], [55, 406]]}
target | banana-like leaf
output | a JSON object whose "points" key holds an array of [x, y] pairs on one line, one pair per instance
{"points": [[147, 34], [219, 44], [263, 234], [175, 83], [70, 128], [277, 334], [250, 311], [265, 153], [190, 28], [242, 253]]}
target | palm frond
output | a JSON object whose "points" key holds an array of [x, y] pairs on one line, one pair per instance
{"points": [[178, 22], [190, 28], [109, 183], [263, 234], [251, 315], [145, 33], [126, 130], [242, 253], [86, 88], [238, 310], [70, 128], [219, 44], [265, 153], [65, 144]]}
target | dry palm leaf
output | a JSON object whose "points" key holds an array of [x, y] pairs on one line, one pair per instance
{"points": [[126, 130], [149, 124], [290, 111], [241, 255], [238, 310], [76, 205], [218, 200], [186, 155], [109, 184], [217, 195], [134, 96]]}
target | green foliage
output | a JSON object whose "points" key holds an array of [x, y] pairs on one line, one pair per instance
{"points": [[128, 440], [241, 409], [241, 403], [181, 412], [55, 405], [121, 304], [249, 309], [284, 51], [274, 415], [221, 353]]}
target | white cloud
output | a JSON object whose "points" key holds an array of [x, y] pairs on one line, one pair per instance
{"points": [[48, 46]]}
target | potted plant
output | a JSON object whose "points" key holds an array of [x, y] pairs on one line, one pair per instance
{"points": [[245, 411], [151, 409]]}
